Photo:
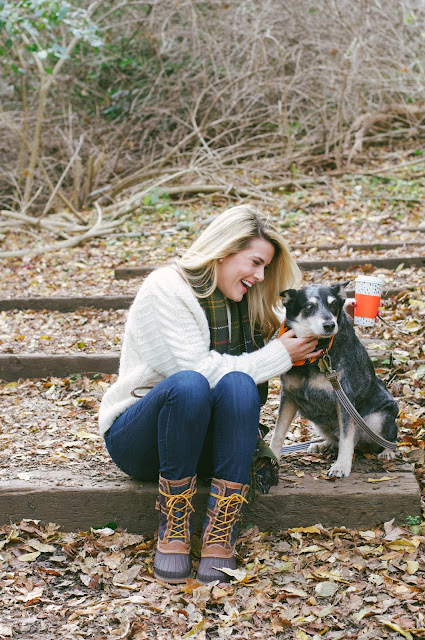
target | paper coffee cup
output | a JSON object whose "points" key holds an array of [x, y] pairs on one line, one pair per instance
{"points": [[367, 292]]}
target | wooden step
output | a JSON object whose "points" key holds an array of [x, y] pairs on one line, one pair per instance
{"points": [[43, 365], [79, 501], [126, 273], [66, 303], [359, 246], [72, 303]]}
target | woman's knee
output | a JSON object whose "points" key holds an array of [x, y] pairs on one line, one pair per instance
{"points": [[239, 388], [190, 391], [188, 382], [238, 380]]}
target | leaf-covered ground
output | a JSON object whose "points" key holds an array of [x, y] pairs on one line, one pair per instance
{"points": [[304, 584]]}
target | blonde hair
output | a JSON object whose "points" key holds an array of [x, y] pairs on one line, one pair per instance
{"points": [[229, 233]]}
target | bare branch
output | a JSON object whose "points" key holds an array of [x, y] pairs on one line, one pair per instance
{"points": [[61, 179]]}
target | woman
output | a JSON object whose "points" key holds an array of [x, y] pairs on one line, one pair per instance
{"points": [[194, 349]]}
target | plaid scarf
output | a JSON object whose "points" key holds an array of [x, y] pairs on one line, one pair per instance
{"points": [[240, 339], [265, 467]]}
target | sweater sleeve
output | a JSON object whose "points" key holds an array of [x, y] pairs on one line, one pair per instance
{"points": [[171, 333]]}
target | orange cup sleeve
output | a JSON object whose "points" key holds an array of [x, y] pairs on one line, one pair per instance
{"points": [[366, 306]]}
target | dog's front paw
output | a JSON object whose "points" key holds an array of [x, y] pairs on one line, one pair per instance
{"points": [[339, 470], [386, 454], [318, 447]]}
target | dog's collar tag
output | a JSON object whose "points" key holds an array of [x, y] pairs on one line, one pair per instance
{"points": [[322, 366]]}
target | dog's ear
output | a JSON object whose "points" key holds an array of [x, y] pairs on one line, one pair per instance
{"points": [[287, 295], [339, 289]]}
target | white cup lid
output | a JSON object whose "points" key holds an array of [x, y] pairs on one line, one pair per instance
{"points": [[370, 279]]}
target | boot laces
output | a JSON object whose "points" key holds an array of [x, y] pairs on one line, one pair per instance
{"points": [[177, 524], [227, 512]]}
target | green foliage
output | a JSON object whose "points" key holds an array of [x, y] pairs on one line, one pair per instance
{"points": [[157, 199], [109, 525], [415, 524], [31, 28]]}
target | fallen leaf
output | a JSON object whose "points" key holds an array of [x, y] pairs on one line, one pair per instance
{"points": [[34, 594], [85, 435], [237, 574], [412, 566], [403, 544], [367, 535], [383, 479], [305, 530], [41, 547], [395, 627], [326, 589], [293, 591], [330, 576], [5, 630], [195, 630], [359, 615], [311, 549], [29, 557]]}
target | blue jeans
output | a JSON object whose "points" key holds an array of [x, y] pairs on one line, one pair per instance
{"points": [[182, 427]]}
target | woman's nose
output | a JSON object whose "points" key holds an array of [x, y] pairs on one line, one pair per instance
{"points": [[259, 273]]}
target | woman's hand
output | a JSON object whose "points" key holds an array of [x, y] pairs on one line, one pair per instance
{"points": [[349, 306], [299, 348]]}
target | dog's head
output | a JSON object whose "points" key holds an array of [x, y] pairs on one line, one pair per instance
{"points": [[314, 310]]}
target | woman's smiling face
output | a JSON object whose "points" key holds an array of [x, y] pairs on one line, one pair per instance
{"points": [[242, 270]]}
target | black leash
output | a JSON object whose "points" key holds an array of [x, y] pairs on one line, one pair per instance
{"points": [[392, 325], [332, 376], [298, 446], [325, 365]]}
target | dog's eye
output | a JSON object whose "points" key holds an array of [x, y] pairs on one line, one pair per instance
{"points": [[334, 307], [310, 306]]}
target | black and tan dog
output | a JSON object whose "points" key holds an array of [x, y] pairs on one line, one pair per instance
{"points": [[319, 311]]}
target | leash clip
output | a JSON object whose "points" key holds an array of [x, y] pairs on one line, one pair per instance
{"points": [[330, 373], [326, 361]]}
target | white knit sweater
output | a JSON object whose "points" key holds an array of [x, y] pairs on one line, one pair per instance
{"points": [[167, 331]]}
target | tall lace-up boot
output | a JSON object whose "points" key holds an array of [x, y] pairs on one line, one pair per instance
{"points": [[172, 558], [219, 532]]}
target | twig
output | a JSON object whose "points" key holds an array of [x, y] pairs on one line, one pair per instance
{"points": [[58, 184], [95, 230], [391, 169]]}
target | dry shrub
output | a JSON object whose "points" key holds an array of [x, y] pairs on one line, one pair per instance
{"points": [[219, 93]]}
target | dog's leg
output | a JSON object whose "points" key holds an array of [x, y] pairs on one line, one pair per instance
{"points": [[341, 468], [385, 426], [287, 412]]}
